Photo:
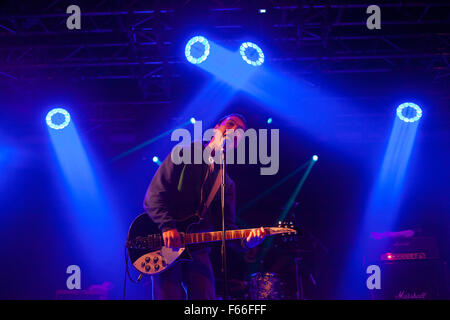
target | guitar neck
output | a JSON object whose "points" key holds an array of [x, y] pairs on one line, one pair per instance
{"points": [[155, 241], [191, 238]]}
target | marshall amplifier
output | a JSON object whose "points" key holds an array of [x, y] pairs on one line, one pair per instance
{"points": [[410, 269], [403, 249], [412, 280]]}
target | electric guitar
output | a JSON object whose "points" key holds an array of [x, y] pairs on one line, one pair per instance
{"points": [[148, 254]]}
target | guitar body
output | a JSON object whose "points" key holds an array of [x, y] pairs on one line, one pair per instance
{"points": [[149, 255]]}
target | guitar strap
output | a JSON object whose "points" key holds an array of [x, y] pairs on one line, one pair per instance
{"points": [[212, 193]]}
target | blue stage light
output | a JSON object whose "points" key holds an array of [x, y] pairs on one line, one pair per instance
{"points": [[197, 49], [57, 118], [156, 160], [251, 53], [192, 120], [262, 11], [409, 112], [315, 158], [269, 121]]}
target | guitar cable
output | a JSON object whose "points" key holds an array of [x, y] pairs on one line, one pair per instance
{"points": [[127, 271]]}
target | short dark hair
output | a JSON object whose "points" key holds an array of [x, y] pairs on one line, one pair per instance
{"points": [[237, 115]]}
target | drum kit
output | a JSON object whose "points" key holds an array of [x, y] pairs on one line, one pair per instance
{"points": [[261, 286], [266, 286], [288, 258], [285, 262]]}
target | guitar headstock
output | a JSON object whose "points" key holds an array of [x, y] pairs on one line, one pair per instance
{"points": [[289, 227]]}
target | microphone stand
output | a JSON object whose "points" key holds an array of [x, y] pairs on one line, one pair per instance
{"points": [[223, 251]]}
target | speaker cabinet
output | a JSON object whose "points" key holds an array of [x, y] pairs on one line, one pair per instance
{"points": [[413, 280]]}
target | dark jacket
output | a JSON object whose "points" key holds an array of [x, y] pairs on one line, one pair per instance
{"points": [[174, 193]]}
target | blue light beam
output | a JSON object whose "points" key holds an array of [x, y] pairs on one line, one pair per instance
{"points": [[386, 195], [384, 202], [95, 223]]}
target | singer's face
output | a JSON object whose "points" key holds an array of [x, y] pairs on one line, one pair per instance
{"points": [[227, 130]]}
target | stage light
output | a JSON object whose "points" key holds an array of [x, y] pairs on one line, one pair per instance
{"points": [[57, 118], [409, 112], [192, 120], [262, 10], [156, 160], [251, 53], [197, 50], [315, 158], [269, 121]]}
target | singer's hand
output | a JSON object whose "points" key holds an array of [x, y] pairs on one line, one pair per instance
{"points": [[172, 239], [255, 237]]}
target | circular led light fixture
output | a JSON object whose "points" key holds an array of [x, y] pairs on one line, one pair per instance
{"points": [[57, 118], [197, 50], [251, 53], [409, 112]]}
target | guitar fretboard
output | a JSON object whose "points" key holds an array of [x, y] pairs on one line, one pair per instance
{"points": [[191, 238]]}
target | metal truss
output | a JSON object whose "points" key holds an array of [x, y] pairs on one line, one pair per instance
{"points": [[143, 40]]}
